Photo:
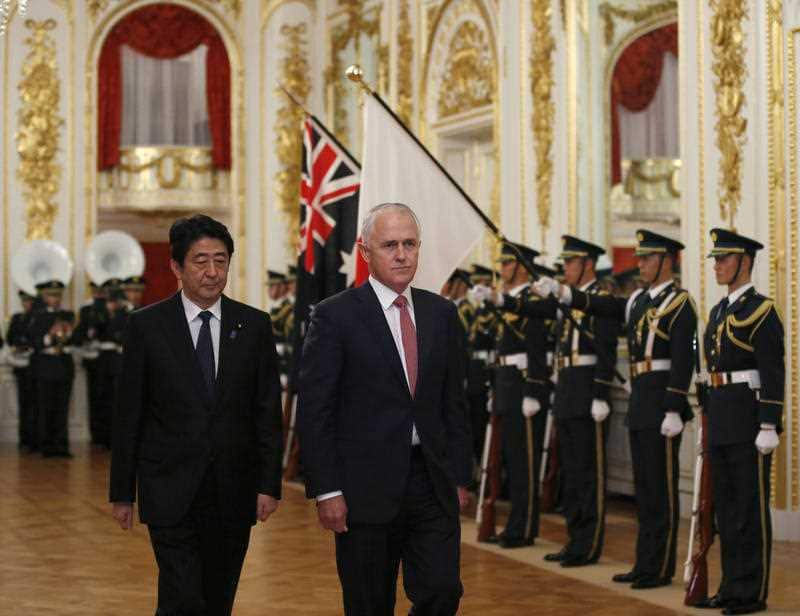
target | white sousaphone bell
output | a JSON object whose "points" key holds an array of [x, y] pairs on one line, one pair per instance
{"points": [[113, 254]]}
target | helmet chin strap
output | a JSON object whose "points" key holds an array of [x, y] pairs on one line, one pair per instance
{"points": [[583, 270], [738, 269], [660, 267]]}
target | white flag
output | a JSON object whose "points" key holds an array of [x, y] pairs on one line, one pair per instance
{"points": [[395, 169]]}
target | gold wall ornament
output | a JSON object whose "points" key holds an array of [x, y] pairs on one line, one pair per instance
{"points": [[294, 72], [469, 72], [95, 8], [729, 68], [405, 63], [542, 84], [39, 130], [233, 7], [794, 349], [609, 12]]}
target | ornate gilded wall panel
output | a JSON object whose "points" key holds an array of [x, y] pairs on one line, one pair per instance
{"points": [[469, 72], [294, 71], [729, 69], [405, 64], [542, 85], [610, 12], [39, 129], [794, 143]]}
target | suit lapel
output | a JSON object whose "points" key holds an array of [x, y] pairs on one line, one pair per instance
{"points": [[423, 315], [372, 315], [227, 344], [180, 338]]}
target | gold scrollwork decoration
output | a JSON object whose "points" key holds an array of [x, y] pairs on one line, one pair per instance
{"points": [[405, 61], [234, 7], [39, 129], [729, 68], [542, 84], [608, 12], [95, 7], [288, 136], [469, 72]]}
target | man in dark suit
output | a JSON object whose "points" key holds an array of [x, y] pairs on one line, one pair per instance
{"points": [[383, 427], [197, 426]]}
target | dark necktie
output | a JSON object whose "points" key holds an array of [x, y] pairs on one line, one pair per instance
{"points": [[409, 335], [205, 351]]}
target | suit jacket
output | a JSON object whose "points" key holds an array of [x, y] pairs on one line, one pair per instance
{"points": [[355, 411], [167, 430]]}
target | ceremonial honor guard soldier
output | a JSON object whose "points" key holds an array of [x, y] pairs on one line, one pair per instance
{"points": [[661, 325], [20, 349], [111, 348], [53, 369], [134, 287], [521, 393], [744, 350], [92, 319], [585, 363]]}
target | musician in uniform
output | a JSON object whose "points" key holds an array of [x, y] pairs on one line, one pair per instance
{"points": [[92, 319], [585, 363], [134, 288], [660, 326], [111, 337], [744, 350], [281, 314], [481, 344], [521, 395], [19, 342], [53, 370]]}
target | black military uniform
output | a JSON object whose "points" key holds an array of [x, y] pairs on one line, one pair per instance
{"points": [[53, 372], [481, 343], [110, 339], [282, 316], [92, 319], [581, 378], [661, 325], [744, 351], [522, 372], [19, 341], [133, 283]]}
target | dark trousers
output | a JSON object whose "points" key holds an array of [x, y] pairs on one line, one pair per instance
{"points": [[741, 489], [107, 375], [582, 453], [26, 404], [523, 438], [479, 417], [199, 559], [91, 366], [655, 478], [52, 397], [422, 536]]}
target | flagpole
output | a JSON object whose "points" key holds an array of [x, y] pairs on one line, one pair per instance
{"points": [[355, 74], [293, 98]]}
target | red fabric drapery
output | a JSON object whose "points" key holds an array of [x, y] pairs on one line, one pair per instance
{"points": [[163, 31], [635, 81], [161, 282]]}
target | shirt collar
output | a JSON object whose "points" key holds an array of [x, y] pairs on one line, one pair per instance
{"points": [[386, 296], [192, 310], [518, 289], [654, 291], [587, 285], [738, 293]]}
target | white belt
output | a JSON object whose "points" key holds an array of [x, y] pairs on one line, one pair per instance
{"points": [[720, 379], [19, 360], [52, 351], [280, 348], [89, 353], [650, 365], [576, 361], [520, 360], [110, 346], [487, 356], [549, 358]]}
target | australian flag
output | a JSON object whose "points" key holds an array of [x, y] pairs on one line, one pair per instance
{"points": [[328, 222]]}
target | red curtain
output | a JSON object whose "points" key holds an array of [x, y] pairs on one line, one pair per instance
{"points": [[635, 81], [163, 31], [161, 282]]}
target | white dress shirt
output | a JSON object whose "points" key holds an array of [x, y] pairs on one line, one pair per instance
{"points": [[654, 291], [193, 311], [391, 312], [732, 297]]}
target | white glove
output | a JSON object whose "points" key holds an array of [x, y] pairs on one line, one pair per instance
{"points": [[482, 293], [600, 410], [552, 398], [284, 381], [489, 402], [767, 439], [545, 287], [672, 425], [530, 406]]}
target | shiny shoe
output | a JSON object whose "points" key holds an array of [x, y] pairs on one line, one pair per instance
{"points": [[515, 542], [745, 608], [645, 583], [714, 602], [556, 557], [494, 538], [580, 561], [625, 578]]}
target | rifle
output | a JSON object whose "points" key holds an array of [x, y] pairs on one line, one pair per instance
{"points": [[548, 477], [291, 450], [489, 489], [695, 572]]}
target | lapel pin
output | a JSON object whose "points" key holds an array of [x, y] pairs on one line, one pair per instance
{"points": [[234, 331]]}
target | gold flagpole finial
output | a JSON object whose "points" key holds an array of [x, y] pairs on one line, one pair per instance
{"points": [[355, 74]]}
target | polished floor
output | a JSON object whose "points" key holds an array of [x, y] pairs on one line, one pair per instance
{"points": [[63, 555]]}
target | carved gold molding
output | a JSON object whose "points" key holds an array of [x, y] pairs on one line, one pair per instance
{"points": [[405, 64], [39, 130], [609, 12], [95, 8], [794, 143], [542, 84], [469, 72], [729, 68], [294, 72]]}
